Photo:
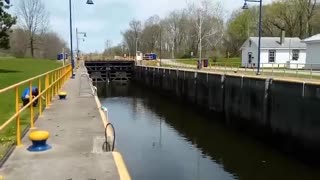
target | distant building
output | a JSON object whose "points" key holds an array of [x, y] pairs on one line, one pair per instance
{"points": [[139, 56], [313, 52], [275, 51]]}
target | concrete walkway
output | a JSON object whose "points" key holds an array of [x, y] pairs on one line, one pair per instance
{"points": [[76, 136]]}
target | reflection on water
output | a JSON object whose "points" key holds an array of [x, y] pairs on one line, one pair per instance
{"points": [[163, 140]]}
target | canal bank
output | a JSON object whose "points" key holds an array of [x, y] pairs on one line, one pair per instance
{"points": [[284, 112], [161, 138]]}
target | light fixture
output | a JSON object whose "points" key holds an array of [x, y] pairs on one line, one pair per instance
{"points": [[245, 6], [89, 2]]}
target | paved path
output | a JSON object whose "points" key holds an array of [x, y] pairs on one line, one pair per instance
{"points": [[76, 135]]}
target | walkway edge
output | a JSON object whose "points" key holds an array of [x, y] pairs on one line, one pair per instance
{"points": [[121, 166], [118, 159]]}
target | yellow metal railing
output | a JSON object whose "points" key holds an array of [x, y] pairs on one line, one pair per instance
{"points": [[48, 85]]}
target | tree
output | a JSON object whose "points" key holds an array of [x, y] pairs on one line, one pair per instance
{"points": [[52, 44], [175, 25], [136, 28], [206, 18], [293, 16], [18, 42], [49, 46], [150, 37], [34, 19], [129, 40], [240, 26], [6, 22]]}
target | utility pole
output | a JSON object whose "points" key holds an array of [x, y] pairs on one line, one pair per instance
{"points": [[71, 44], [200, 36], [136, 48], [77, 37], [160, 56]]}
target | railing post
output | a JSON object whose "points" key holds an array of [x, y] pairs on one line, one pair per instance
{"points": [[31, 105], [51, 87], [18, 118], [40, 99], [56, 83], [46, 89], [53, 84], [60, 81]]}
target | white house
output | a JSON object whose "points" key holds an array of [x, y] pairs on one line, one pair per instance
{"points": [[313, 51], [275, 52]]}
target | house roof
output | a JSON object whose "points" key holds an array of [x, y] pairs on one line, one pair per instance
{"points": [[274, 43], [315, 38]]}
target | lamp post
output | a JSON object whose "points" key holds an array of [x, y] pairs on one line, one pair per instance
{"points": [[71, 44], [84, 35], [136, 48], [245, 6]]}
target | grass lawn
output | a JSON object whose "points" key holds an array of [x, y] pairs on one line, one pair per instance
{"points": [[12, 71], [235, 61]]}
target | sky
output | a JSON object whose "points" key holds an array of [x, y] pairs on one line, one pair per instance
{"points": [[107, 18]]}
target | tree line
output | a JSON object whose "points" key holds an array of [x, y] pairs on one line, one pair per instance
{"points": [[202, 27], [31, 37]]}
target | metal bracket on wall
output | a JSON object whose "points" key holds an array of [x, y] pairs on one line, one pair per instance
{"points": [[303, 88], [242, 81], [267, 86], [223, 78]]}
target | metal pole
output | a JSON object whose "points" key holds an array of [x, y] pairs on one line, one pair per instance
{"points": [[71, 45], [260, 33], [64, 56], [77, 36], [136, 48], [160, 44], [200, 43]]}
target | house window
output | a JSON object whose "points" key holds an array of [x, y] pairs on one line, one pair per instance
{"points": [[295, 54], [272, 56]]}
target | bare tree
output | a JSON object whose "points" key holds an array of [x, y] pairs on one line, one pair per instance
{"points": [[175, 25], [108, 45], [136, 28], [207, 23], [34, 19], [129, 41]]}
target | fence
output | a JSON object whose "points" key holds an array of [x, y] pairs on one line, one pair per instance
{"points": [[48, 85], [293, 70]]}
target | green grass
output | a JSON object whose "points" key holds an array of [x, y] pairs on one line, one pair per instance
{"points": [[13, 71], [235, 61]]}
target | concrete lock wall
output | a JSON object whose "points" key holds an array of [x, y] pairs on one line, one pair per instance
{"points": [[289, 109]]}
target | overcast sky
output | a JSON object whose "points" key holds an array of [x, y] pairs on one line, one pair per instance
{"points": [[107, 18]]}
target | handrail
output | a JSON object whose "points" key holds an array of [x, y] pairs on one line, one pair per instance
{"points": [[31, 79], [53, 81]]}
